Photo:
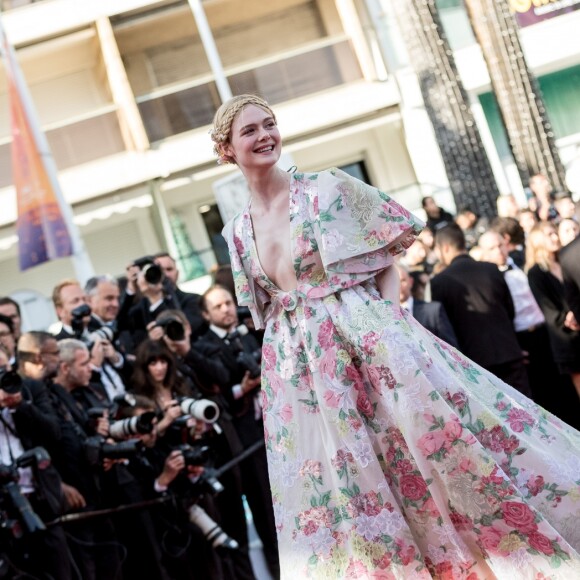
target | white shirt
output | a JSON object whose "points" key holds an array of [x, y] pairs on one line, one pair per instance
{"points": [[408, 305], [11, 449], [528, 312]]}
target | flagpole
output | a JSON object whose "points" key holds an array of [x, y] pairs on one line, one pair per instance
{"points": [[80, 258]]}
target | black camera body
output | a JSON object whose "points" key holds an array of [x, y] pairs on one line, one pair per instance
{"points": [[78, 314], [151, 271], [195, 456], [173, 328], [10, 382], [248, 361], [97, 449], [16, 514]]}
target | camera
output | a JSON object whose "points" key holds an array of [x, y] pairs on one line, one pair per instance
{"points": [[97, 449], [78, 314], [16, 513], [210, 529], [10, 382], [198, 456], [248, 361], [151, 271], [124, 428], [174, 329], [195, 456], [201, 409], [137, 425]]}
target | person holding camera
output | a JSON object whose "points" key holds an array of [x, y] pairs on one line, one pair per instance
{"points": [[27, 421], [189, 537], [188, 302], [239, 352], [93, 543], [75, 314], [175, 388]]}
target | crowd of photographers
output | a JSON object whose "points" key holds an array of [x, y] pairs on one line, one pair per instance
{"points": [[131, 434]]}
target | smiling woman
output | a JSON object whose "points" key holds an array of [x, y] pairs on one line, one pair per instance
{"points": [[390, 454]]}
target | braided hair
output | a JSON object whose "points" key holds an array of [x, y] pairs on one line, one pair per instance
{"points": [[224, 118]]}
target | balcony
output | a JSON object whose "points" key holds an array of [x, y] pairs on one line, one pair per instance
{"points": [[188, 105], [82, 139]]}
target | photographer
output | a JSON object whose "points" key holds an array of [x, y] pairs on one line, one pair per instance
{"points": [[188, 535], [239, 352], [93, 542], [164, 379], [188, 302], [27, 421], [75, 314], [147, 294]]}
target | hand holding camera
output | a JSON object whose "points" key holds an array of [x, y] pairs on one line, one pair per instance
{"points": [[249, 383]]}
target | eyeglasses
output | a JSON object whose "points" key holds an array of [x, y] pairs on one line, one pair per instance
{"points": [[51, 352]]}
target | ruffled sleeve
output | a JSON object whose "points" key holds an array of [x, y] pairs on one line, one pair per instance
{"points": [[248, 293], [361, 228]]}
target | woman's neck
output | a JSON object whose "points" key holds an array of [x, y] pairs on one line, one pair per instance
{"points": [[266, 187]]}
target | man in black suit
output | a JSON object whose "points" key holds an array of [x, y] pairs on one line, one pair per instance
{"points": [[237, 352], [186, 301], [431, 315], [480, 308]]}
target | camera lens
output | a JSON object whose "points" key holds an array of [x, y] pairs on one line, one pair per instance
{"points": [[153, 273], [10, 382]]}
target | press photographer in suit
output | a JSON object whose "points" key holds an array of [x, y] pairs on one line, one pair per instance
{"points": [[240, 354]]}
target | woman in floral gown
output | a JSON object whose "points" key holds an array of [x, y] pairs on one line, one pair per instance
{"points": [[390, 454]]}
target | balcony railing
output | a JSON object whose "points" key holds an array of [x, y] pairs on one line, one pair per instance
{"points": [[78, 141], [188, 105]]}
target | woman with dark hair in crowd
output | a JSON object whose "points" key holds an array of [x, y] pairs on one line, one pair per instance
{"points": [[157, 375], [546, 283]]}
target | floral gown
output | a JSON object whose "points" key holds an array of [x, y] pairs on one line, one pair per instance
{"points": [[390, 454]]}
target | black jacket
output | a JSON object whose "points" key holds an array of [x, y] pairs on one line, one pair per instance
{"points": [[480, 308], [433, 317]]}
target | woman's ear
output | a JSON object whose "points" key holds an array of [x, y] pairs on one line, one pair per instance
{"points": [[226, 153]]}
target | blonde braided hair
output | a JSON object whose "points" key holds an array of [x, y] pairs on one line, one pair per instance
{"points": [[224, 118]]}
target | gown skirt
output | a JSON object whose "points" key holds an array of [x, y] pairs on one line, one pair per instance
{"points": [[390, 454]]}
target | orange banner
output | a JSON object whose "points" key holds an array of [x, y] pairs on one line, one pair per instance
{"points": [[41, 228]]}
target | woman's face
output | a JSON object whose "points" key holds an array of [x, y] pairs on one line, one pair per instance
{"points": [[551, 239], [254, 139], [158, 369], [567, 231]]}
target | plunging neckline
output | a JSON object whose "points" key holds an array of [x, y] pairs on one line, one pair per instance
{"points": [[255, 244]]}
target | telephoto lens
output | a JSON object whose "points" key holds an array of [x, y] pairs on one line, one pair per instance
{"points": [[201, 409], [139, 425], [212, 531]]}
